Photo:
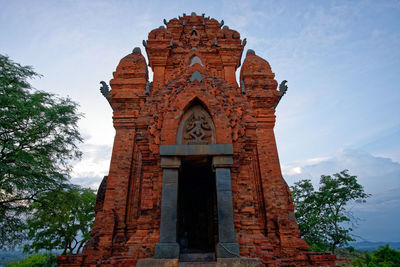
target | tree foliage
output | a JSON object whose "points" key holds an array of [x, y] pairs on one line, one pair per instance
{"points": [[61, 220], [38, 138], [307, 211], [324, 219], [36, 260], [384, 256]]}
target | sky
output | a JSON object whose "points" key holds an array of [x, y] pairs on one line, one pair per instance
{"points": [[341, 60]]}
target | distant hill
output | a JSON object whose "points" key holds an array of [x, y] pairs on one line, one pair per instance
{"points": [[370, 246], [7, 256]]}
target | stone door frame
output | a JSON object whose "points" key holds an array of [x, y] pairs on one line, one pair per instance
{"points": [[222, 160]]}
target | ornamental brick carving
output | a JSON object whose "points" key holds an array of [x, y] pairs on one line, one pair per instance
{"points": [[198, 115]]}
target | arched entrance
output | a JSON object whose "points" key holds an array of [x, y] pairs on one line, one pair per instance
{"points": [[196, 208]]}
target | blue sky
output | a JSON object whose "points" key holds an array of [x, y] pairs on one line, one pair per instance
{"points": [[341, 60]]}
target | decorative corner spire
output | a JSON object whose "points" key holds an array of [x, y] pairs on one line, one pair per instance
{"points": [[104, 89], [251, 52], [137, 50], [282, 90]]}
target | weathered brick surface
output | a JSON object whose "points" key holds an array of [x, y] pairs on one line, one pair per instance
{"points": [[147, 115]]}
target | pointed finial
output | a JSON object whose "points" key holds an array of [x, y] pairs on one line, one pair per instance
{"points": [[251, 52], [136, 50]]}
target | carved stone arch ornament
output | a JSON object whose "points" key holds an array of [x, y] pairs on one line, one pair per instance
{"points": [[196, 127]]}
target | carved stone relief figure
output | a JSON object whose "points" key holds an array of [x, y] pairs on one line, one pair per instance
{"points": [[196, 127]]}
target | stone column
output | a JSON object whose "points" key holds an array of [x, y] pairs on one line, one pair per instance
{"points": [[168, 248], [227, 246]]}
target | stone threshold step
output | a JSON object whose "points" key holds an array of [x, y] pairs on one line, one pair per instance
{"points": [[197, 257], [197, 264]]}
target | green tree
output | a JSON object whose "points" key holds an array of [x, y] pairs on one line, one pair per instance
{"points": [[36, 260], [323, 216], [384, 256], [61, 220], [307, 211], [38, 139]]}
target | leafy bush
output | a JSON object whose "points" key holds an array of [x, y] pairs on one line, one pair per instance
{"points": [[36, 260], [384, 256]]}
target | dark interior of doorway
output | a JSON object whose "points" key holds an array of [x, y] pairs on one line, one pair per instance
{"points": [[197, 207]]}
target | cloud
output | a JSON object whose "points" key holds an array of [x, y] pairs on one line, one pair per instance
{"points": [[291, 170], [93, 166], [380, 177], [294, 168], [92, 182]]}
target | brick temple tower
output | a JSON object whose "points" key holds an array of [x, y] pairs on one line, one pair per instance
{"points": [[194, 169]]}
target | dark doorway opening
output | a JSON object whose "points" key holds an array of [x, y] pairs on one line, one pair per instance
{"points": [[197, 207]]}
